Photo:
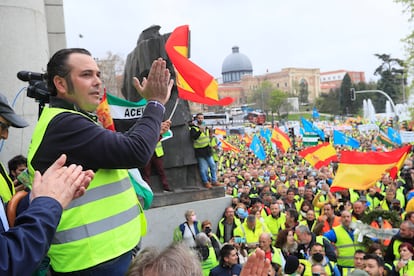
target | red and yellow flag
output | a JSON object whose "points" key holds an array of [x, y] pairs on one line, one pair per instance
{"points": [[219, 131], [361, 170], [226, 146], [193, 83], [247, 139], [281, 139], [104, 114], [320, 155]]}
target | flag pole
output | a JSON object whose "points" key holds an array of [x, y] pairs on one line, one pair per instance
{"points": [[174, 108]]}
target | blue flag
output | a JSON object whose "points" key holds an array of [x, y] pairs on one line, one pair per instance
{"points": [[257, 148], [315, 113], [340, 138], [394, 136], [309, 127], [266, 133]]}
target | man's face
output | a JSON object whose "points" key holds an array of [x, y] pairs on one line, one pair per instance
{"points": [[405, 231], [359, 260], [251, 224], [4, 128], [274, 210], [200, 119], [327, 209], [264, 242], [229, 213], [317, 249], [372, 268], [358, 208], [291, 196], [18, 170], [346, 219], [232, 259], [86, 87]]}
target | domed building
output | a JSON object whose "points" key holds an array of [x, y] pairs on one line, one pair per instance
{"points": [[235, 66]]}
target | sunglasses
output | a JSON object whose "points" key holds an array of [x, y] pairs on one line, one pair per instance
{"points": [[4, 126]]}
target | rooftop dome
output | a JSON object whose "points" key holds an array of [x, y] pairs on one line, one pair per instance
{"points": [[235, 66], [236, 62]]}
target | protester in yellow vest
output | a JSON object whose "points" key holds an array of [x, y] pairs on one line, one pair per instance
{"points": [[98, 232], [345, 241], [157, 161], [7, 118]]}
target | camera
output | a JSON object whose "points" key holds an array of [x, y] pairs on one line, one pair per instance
{"points": [[37, 88]]}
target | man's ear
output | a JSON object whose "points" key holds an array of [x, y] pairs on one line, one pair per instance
{"points": [[60, 84]]}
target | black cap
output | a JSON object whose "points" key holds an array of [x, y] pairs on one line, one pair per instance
{"points": [[292, 264], [8, 113]]}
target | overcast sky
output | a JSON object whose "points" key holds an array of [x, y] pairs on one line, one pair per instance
{"points": [[274, 34]]}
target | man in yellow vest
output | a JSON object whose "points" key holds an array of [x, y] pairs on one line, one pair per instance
{"points": [[7, 118], [157, 161], [199, 133], [97, 232], [345, 241]]}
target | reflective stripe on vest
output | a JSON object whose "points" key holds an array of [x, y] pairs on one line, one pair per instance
{"points": [[103, 224], [97, 227], [346, 247]]}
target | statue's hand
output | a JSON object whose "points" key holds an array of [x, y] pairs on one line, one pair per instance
{"points": [[158, 85]]}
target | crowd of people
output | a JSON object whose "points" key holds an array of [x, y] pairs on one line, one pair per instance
{"points": [[283, 218], [285, 207]]}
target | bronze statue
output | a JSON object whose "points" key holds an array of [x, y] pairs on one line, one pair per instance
{"points": [[179, 161]]}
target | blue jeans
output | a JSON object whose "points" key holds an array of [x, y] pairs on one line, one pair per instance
{"points": [[204, 164], [114, 267]]}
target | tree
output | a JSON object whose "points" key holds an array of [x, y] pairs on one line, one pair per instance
{"points": [[261, 95], [278, 102], [392, 76], [303, 91], [328, 102], [345, 104], [111, 67]]}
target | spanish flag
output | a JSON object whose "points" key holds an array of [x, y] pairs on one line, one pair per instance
{"points": [[220, 131], [320, 155], [281, 139], [247, 139], [193, 83], [226, 146], [104, 114], [361, 170]]}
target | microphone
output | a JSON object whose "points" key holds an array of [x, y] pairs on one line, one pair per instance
{"points": [[28, 76]]}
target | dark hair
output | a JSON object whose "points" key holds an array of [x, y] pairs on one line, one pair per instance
{"points": [[374, 247], [359, 251], [281, 239], [379, 260], [16, 161], [225, 252], [293, 213], [57, 66]]}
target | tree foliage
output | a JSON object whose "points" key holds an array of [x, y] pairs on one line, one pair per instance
{"points": [[392, 73], [268, 98], [346, 106], [278, 102], [261, 96]]}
